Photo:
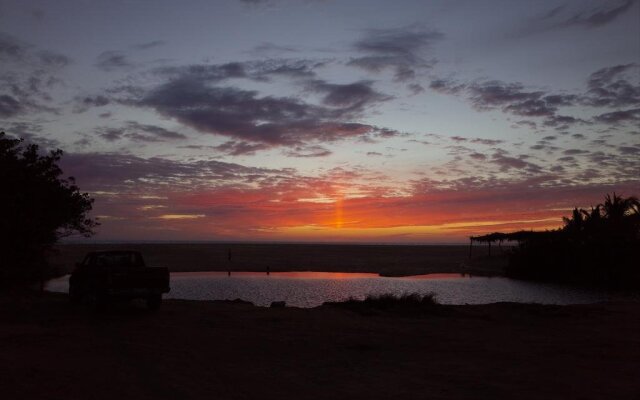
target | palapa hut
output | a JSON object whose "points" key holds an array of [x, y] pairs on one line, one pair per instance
{"points": [[500, 237]]}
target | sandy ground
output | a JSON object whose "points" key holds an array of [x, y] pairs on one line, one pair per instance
{"points": [[386, 260], [222, 350]]}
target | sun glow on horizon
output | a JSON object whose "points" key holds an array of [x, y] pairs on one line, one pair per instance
{"points": [[455, 229]]}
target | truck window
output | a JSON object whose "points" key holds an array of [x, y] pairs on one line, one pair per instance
{"points": [[118, 260]]}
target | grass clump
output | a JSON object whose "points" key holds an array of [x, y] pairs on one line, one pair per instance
{"points": [[387, 300], [408, 303]]}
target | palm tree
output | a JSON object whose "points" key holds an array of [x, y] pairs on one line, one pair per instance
{"points": [[622, 216], [617, 207], [574, 224], [592, 220]]}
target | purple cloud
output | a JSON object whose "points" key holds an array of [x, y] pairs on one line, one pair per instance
{"points": [[617, 86], [112, 60], [137, 132], [401, 50]]}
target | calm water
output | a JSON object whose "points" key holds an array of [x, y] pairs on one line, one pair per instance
{"points": [[311, 289]]}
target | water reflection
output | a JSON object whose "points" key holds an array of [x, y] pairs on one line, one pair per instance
{"points": [[438, 276], [311, 289], [290, 274]]}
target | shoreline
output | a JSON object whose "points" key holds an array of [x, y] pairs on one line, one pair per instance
{"points": [[386, 260]]}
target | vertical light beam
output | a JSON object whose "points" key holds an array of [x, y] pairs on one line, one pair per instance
{"points": [[339, 212]]}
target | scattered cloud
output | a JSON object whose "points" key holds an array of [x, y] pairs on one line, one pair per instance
{"points": [[416, 88], [594, 17], [573, 152], [50, 59], [351, 98], [268, 48], [83, 103], [611, 87], [308, 152], [617, 117], [631, 150], [255, 2], [506, 162], [122, 173], [12, 49], [113, 60], [149, 45], [511, 97], [27, 78], [10, 106], [246, 116], [402, 50], [617, 86], [447, 86], [180, 216], [487, 142], [137, 132], [110, 134], [240, 148], [31, 133], [262, 70]]}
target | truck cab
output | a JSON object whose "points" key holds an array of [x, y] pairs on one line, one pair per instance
{"points": [[105, 276]]}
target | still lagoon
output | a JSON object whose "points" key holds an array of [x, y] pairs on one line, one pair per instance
{"points": [[311, 289]]}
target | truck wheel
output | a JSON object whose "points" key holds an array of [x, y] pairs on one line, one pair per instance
{"points": [[101, 302], [154, 302], [74, 295]]}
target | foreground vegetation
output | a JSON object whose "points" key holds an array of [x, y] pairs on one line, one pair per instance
{"points": [[600, 247], [38, 206], [408, 303]]}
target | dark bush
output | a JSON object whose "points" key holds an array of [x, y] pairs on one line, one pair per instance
{"points": [[406, 304], [37, 208]]}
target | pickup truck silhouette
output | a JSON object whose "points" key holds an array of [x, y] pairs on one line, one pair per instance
{"points": [[105, 276]]}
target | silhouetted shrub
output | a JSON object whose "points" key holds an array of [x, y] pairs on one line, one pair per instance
{"points": [[37, 207], [409, 304], [407, 299]]}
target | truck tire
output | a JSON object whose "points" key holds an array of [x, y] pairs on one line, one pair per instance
{"points": [[154, 301], [101, 302], [75, 297]]}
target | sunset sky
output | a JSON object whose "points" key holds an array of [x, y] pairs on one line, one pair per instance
{"points": [[312, 120]]}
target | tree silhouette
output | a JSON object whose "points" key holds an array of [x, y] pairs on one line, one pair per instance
{"points": [[37, 207], [597, 247], [616, 207], [576, 222]]}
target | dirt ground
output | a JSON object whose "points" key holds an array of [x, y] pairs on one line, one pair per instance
{"points": [[224, 350], [390, 260]]}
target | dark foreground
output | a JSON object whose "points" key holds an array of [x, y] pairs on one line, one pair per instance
{"points": [[224, 350], [389, 260]]}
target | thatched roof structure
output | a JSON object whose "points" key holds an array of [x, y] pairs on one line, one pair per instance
{"points": [[518, 236]]}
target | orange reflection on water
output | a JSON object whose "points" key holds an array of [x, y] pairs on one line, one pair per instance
{"points": [[325, 275], [438, 276], [310, 275], [288, 274]]}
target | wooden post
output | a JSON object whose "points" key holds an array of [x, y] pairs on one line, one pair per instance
{"points": [[470, 246]]}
